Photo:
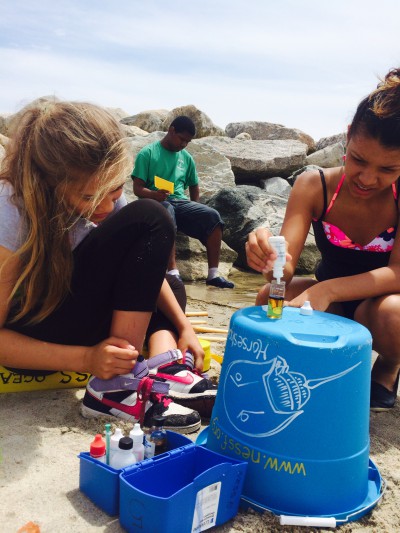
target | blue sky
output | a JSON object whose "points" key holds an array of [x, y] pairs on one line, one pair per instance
{"points": [[302, 63]]}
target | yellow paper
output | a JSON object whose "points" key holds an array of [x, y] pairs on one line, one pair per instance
{"points": [[163, 184]]}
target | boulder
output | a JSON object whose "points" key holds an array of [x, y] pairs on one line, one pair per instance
{"points": [[149, 121], [333, 139], [291, 179], [276, 186], [255, 160], [204, 125], [214, 169], [245, 208], [269, 131], [330, 156], [244, 136], [133, 131], [191, 258]]}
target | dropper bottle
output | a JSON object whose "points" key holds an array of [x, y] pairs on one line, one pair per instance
{"points": [[277, 287]]}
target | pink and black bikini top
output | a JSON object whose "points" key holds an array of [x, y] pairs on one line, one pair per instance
{"points": [[382, 243], [340, 256]]}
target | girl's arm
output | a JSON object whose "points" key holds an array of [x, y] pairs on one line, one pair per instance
{"points": [[378, 282], [106, 359], [188, 340]]}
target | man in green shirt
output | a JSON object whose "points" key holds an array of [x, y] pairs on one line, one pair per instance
{"points": [[163, 171]]}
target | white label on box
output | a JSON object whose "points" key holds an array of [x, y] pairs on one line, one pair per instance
{"points": [[206, 508]]}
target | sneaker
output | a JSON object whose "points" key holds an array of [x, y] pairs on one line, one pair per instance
{"points": [[186, 386], [220, 282], [383, 399], [137, 400]]}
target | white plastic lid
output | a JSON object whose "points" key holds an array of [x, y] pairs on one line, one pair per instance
{"points": [[306, 308]]}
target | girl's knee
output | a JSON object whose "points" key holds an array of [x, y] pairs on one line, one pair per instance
{"points": [[381, 314]]}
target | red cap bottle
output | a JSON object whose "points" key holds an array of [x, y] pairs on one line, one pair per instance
{"points": [[98, 448]]}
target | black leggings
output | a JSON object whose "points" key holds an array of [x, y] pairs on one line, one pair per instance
{"points": [[119, 266]]}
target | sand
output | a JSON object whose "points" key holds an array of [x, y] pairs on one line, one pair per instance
{"points": [[42, 434]]}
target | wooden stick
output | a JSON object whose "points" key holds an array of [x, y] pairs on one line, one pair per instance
{"points": [[198, 322], [212, 339], [204, 329], [196, 313]]}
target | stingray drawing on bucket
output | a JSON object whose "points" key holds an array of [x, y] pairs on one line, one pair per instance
{"points": [[266, 402]]}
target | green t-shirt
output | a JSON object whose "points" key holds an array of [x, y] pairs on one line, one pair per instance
{"points": [[177, 167]]}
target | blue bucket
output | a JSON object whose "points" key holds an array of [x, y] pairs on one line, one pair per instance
{"points": [[293, 401]]}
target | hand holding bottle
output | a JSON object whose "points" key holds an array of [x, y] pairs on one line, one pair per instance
{"points": [[261, 255]]}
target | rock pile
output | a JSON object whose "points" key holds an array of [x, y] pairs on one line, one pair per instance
{"points": [[245, 173]]}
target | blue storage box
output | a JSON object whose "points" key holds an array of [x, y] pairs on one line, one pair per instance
{"points": [[189, 490], [100, 482]]}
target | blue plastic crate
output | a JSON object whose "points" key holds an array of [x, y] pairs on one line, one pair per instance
{"points": [[100, 483], [188, 490]]}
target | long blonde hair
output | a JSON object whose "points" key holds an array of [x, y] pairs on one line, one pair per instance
{"points": [[56, 145]]}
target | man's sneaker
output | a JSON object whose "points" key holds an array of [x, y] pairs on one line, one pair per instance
{"points": [[137, 400], [186, 386], [220, 282]]}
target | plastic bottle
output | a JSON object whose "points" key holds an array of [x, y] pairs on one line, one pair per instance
{"points": [[279, 245], [123, 456], [114, 441], [98, 448], [277, 287], [136, 434], [156, 441]]}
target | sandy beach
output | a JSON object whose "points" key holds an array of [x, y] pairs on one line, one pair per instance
{"points": [[42, 433]]}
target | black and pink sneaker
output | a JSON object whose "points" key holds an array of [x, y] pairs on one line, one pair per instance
{"points": [[137, 397], [186, 386]]}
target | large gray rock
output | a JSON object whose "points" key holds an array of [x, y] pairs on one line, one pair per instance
{"points": [[245, 208], [330, 156], [214, 169], [133, 131], [255, 160], [191, 258], [276, 186], [149, 121], [204, 125], [333, 139], [269, 131]]}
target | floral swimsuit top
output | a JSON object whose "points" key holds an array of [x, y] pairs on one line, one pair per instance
{"points": [[382, 243]]}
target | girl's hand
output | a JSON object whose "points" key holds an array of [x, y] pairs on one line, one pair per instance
{"points": [[110, 357], [317, 295], [260, 254], [188, 341]]}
